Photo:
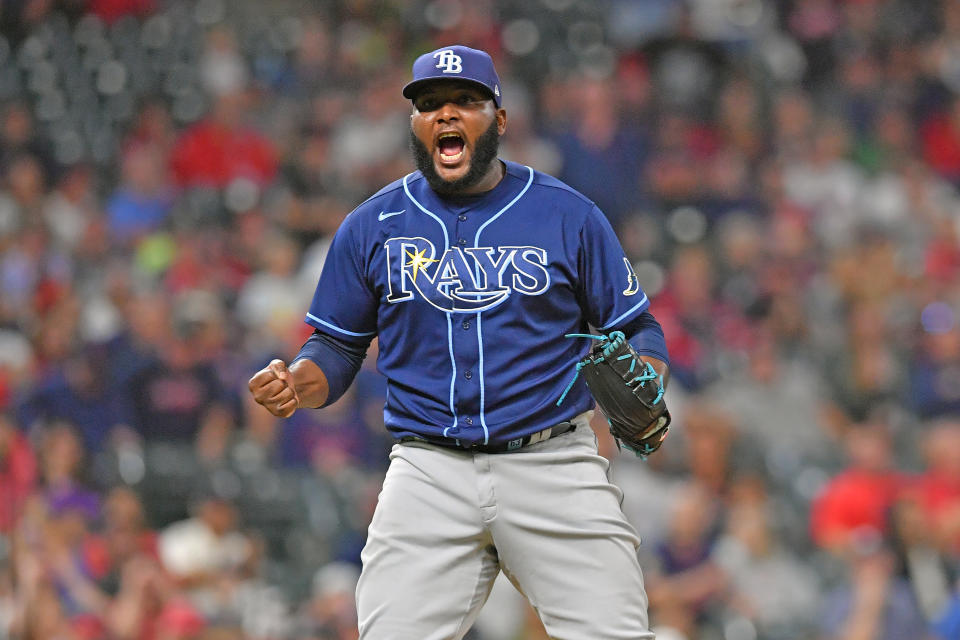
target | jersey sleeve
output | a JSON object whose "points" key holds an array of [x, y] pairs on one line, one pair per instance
{"points": [[344, 305], [610, 292]]}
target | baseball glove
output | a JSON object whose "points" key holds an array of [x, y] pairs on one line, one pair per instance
{"points": [[627, 390]]}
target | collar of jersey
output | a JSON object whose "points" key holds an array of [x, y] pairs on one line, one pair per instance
{"points": [[514, 179]]}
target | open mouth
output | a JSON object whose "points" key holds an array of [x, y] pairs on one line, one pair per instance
{"points": [[450, 146]]}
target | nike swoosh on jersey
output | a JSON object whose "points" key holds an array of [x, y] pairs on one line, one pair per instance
{"points": [[389, 214]]}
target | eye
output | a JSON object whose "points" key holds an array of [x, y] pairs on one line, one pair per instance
{"points": [[471, 99], [427, 103]]}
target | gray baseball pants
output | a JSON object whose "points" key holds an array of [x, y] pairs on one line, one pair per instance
{"points": [[448, 521]]}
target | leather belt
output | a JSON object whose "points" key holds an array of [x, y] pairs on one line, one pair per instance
{"points": [[504, 447]]}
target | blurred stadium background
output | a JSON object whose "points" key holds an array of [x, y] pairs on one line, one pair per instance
{"points": [[784, 175]]}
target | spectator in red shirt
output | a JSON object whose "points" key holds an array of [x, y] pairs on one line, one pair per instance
{"points": [[112, 10], [938, 487], [221, 148], [853, 507], [941, 142], [18, 472]]}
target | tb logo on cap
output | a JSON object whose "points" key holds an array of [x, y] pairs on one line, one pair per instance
{"points": [[449, 61]]}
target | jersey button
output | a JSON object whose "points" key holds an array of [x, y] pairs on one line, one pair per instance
{"points": [[467, 374], [469, 420], [466, 324], [461, 242], [462, 218]]}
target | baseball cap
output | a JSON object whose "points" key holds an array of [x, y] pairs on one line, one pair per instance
{"points": [[455, 62]]}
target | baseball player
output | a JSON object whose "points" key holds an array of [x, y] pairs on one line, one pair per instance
{"points": [[471, 270]]}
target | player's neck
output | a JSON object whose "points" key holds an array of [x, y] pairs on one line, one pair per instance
{"points": [[491, 179]]}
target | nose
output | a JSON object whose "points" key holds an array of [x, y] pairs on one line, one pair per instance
{"points": [[448, 111]]}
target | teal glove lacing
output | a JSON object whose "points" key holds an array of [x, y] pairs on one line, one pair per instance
{"points": [[613, 342]]}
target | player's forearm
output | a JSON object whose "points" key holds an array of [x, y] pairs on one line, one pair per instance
{"points": [[310, 383], [337, 361], [645, 335]]}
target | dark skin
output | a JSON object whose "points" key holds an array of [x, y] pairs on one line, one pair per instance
{"points": [[439, 109], [464, 109]]}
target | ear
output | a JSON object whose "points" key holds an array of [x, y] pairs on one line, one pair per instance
{"points": [[501, 121]]}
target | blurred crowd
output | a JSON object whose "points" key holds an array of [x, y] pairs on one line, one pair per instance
{"points": [[784, 176]]}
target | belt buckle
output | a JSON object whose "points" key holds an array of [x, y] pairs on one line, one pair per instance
{"points": [[540, 436]]}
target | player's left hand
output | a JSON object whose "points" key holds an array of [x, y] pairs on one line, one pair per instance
{"points": [[628, 390], [274, 388]]}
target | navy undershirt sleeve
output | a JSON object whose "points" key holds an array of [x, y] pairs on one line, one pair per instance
{"points": [[645, 335], [339, 360]]}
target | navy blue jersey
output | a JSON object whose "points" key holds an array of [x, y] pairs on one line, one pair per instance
{"points": [[471, 299]]}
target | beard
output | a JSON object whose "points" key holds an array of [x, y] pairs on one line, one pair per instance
{"points": [[485, 152]]}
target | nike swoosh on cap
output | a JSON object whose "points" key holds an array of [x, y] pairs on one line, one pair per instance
{"points": [[389, 214]]}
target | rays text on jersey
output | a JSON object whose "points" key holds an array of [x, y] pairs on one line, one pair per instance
{"points": [[463, 279]]}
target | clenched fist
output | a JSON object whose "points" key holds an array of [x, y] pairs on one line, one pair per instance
{"points": [[274, 388]]}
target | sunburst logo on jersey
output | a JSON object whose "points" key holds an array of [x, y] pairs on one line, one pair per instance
{"points": [[418, 260]]}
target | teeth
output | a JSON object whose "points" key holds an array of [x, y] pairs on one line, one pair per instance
{"points": [[444, 136]]}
